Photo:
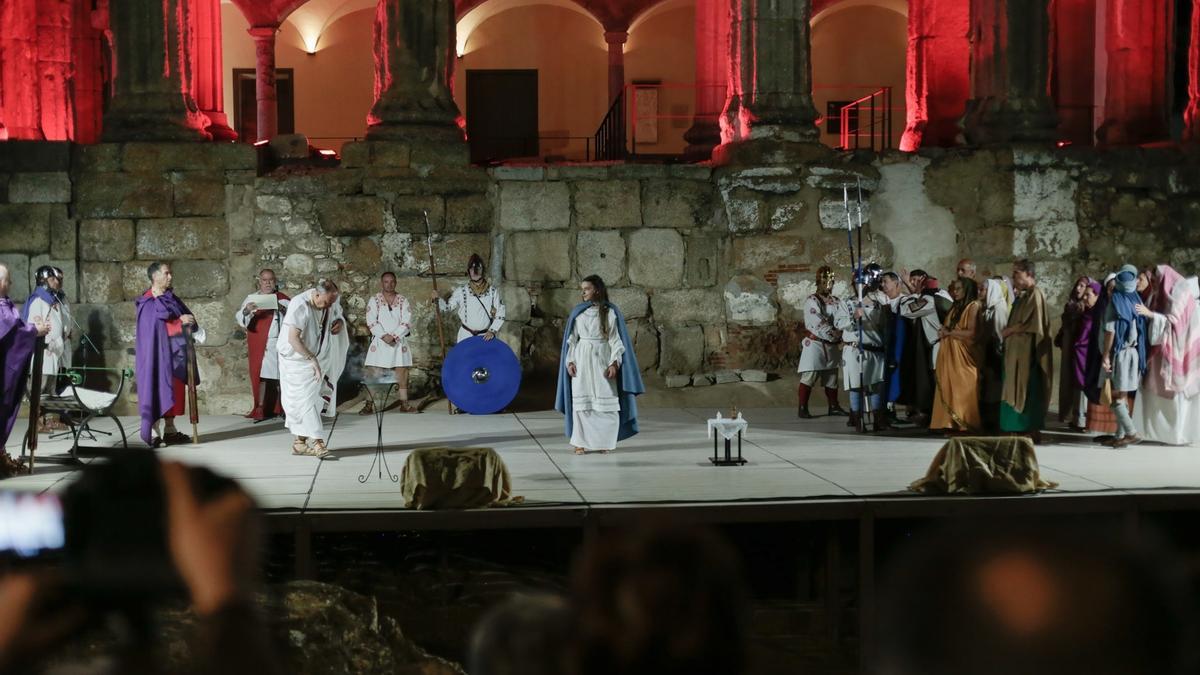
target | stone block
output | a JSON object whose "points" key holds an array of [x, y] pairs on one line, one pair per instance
{"points": [[600, 252], [749, 301], [19, 274], [363, 254], [134, 280], [469, 213], [745, 210], [762, 253], [753, 375], [299, 265], [217, 319], [726, 377], [703, 260], [101, 283], [678, 381], [534, 206], [390, 154], [239, 212], [645, 343], [537, 257], [638, 171], [122, 195], [200, 278], [311, 182], [348, 216], [702, 380], [557, 303], [516, 303], [531, 173], [63, 234], [21, 156], [682, 349], [679, 204], [25, 228], [397, 251], [290, 146], [51, 187], [656, 258], [607, 204], [4, 178], [678, 306], [569, 172], [106, 240], [633, 302], [171, 238], [450, 252], [162, 157], [101, 157], [696, 172], [409, 212], [199, 194]]}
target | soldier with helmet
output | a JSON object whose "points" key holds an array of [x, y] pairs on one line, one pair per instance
{"points": [[48, 304], [863, 325], [820, 353]]}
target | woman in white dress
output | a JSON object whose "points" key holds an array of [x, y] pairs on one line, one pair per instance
{"points": [[389, 316], [1168, 409], [599, 376]]}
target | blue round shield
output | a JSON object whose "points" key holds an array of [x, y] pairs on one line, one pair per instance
{"points": [[481, 376]]}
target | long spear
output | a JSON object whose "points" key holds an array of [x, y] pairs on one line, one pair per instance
{"points": [[856, 271], [193, 409], [437, 304], [862, 378]]}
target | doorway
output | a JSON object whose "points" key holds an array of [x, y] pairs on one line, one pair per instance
{"points": [[502, 114], [245, 103]]}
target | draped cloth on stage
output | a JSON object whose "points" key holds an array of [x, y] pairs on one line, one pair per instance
{"points": [[984, 465], [17, 341], [161, 357], [305, 399], [455, 478], [629, 377], [1028, 364]]}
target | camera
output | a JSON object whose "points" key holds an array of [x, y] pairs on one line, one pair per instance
{"points": [[108, 531]]}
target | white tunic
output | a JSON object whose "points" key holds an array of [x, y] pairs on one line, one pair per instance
{"points": [[389, 319], [305, 399], [594, 404], [270, 362], [477, 314], [868, 366], [1174, 420], [822, 353], [58, 340]]}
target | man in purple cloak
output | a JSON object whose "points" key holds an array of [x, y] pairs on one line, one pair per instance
{"points": [[17, 340], [161, 361]]}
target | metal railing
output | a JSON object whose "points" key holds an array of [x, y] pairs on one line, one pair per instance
{"points": [[610, 137], [876, 109]]}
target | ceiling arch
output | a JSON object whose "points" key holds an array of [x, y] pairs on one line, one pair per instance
{"points": [[824, 10], [475, 17]]}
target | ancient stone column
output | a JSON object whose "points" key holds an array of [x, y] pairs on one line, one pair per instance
{"points": [[1010, 71], [712, 65], [1073, 83], [264, 81], [18, 69], [209, 84], [413, 70], [152, 99], [770, 78], [937, 82], [616, 40], [56, 118], [1138, 37], [1191, 114], [88, 82]]}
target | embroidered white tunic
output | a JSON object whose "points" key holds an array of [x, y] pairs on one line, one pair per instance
{"points": [[822, 353], [389, 319], [58, 340], [477, 314], [270, 362], [594, 404], [866, 367]]}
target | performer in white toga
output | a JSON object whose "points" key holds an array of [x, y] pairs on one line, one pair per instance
{"points": [[312, 353]]}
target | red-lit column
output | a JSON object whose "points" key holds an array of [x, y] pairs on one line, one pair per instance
{"points": [[1137, 42], [1191, 114], [1072, 84], [56, 119], [264, 81], [209, 83], [770, 72], [18, 69], [712, 65], [152, 98], [937, 83], [413, 70], [89, 70], [616, 40], [1010, 72]]}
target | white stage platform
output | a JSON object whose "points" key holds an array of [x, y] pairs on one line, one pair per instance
{"points": [[805, 463]]}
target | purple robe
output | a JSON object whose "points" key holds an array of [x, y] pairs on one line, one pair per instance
{"points": [[17, 340], [160, 358]]}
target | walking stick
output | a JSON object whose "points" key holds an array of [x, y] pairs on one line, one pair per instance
{"points": [[35, 397], [193, 411], [437, 305]]}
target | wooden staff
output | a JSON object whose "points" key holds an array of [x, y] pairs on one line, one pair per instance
{"points": [[35, 397], [437, 305], [193, 410]]}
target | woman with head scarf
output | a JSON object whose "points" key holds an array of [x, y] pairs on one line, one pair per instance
{"points": [[1169, 411], [996, 295], [1076, 322], [956, 399], [1100, 417], [1123, 353]]}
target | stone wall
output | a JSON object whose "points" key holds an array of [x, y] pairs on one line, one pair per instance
{"points": [[710, 265]]}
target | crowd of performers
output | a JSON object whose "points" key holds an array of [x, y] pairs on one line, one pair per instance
{"points": [[978, 357]]}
